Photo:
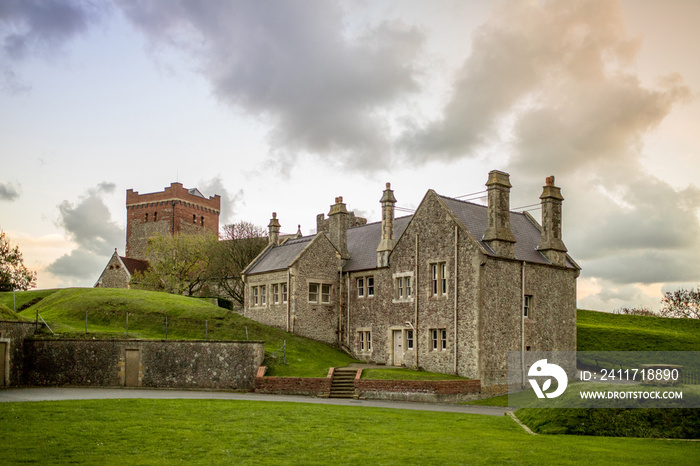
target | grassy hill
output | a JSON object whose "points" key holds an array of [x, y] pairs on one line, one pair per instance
{"points": [[187, 318], [600, 331]]}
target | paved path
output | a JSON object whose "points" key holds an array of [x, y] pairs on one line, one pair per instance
{"points": [[54, 394]]}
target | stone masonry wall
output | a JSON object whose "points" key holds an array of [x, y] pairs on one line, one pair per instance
{"points": [[386, 312], [271, 314], [114, 275], [14, 334], [318, 264], [162, 364]]}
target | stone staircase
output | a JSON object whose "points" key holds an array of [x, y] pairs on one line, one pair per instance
{"points": [[343, 383]]}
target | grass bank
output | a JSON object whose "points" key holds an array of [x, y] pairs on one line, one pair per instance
{"points": [[187, 318], [248, 432]]}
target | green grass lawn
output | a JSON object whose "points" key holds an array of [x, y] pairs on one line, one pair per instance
{"points": [[600, 331], [106, 308], [250, 432]]}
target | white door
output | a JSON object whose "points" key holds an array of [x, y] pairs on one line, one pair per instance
{"points": [[398, 348]]}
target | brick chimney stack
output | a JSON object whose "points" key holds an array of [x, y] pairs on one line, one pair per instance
{"points": [[387, 243], [274, 230], [339, 220], [498, 234], [551, 244]]}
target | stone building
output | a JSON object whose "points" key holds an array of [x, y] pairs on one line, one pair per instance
{"points": [[119, 271], [174, 210], [451, 288]]}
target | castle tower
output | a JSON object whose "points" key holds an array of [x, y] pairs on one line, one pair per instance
{"points": [[174, 210]]}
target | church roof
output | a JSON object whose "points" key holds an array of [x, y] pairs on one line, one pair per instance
{"points": [[134, 265]]}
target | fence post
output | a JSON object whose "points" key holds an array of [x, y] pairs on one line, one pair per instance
{"points": [[246, 333], [86, 318], [285, 352], [206, 329], [166, 327], [127, 324]]}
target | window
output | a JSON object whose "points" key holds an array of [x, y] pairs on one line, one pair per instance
{"points": [[275, 293], [155, 216], [255, 296], [527, 305], [313, 292], [438, 277], [409, 339], [202, 221], [402, 285], [365, 287], [284, 292], [365, 340], [262, 295], [146, 217], [325, 293], [194, 219], [438, 339]]}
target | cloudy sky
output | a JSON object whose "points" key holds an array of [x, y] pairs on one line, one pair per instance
{"points": [[282, 106]]}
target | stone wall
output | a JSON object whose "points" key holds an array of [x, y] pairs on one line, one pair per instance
{"points": [[274, 315], [161, 364], [114, 275], [13, 334]]}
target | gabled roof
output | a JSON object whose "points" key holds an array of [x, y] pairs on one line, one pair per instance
{"points": [[364, 240], [279, 257], [134, 265], [474, 217]]}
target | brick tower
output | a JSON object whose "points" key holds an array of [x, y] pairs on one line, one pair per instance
{"points": [[174, 210]]}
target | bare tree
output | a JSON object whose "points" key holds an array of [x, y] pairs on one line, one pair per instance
{"points": [[240, 243], [682, 303]]}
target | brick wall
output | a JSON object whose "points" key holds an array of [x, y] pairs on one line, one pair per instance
{"points": [[173, 210], [308, 386], [161, 364]]}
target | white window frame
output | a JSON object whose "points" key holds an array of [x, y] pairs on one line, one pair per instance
{"points": [[409, 340], [263, 295], [403, 287], [527, 306], [364, 337], [360, 287], [275, 293], [256, 301], [316, 293], [438, 339], [326, 295], [370, 286], [284, 292], [438, 279]]}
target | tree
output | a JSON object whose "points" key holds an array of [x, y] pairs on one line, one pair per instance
{"points": [[681, 303], [241, 243], [179, 264], [13, 274]]}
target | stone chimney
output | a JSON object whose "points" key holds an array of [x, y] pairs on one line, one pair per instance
{"points": [[274, 230], [338, 219], [551, 244], [387, 243], [498, 234]]}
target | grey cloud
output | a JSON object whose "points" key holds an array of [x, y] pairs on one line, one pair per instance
{"points": [[9, 191], [89, 223], [520, 53], [78, 264], [40, 28], [295, 66], [229, 202]]}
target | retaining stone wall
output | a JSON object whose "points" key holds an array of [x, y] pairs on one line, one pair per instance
{"points": [[308, 386], [14, 334], [161, 364]]}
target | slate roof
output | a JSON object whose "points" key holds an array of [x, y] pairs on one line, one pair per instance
{"points": [[527, 234], [363, 240], [280, 257]]}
